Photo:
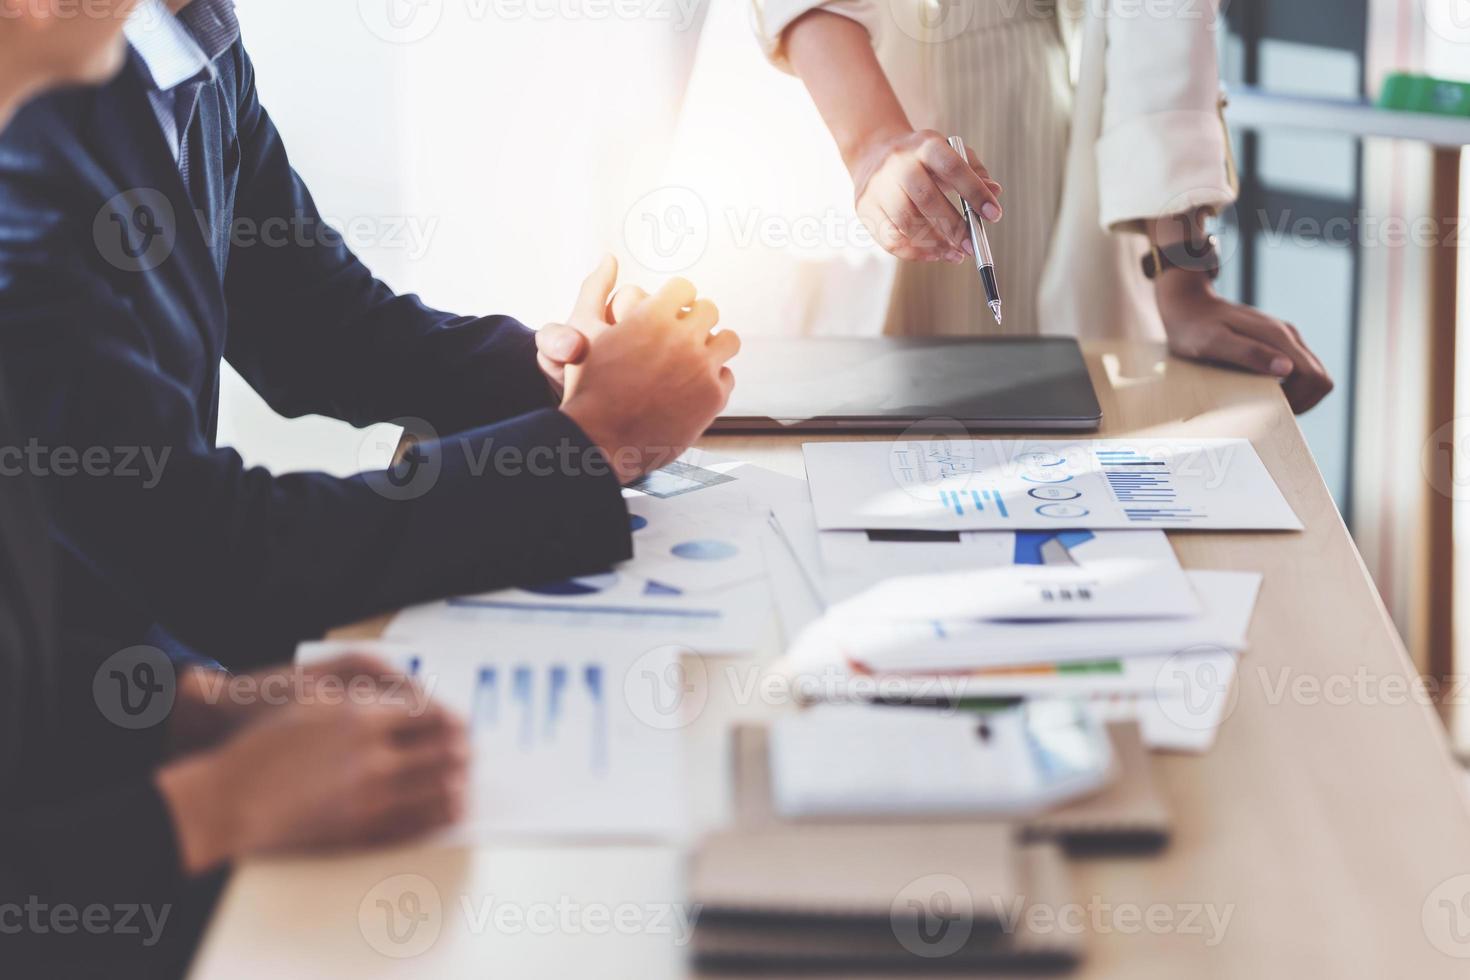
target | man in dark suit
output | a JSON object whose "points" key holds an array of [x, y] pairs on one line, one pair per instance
{"points": [[117, 307], [119, 804], [116, 805]]}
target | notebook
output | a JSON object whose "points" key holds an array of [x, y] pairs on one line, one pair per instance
{"points": [[857, 899]]}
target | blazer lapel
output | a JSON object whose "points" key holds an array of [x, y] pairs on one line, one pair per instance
{"points": [[141, 168]]}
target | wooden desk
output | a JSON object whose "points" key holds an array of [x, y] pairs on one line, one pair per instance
{"points": [[1329, 826]]}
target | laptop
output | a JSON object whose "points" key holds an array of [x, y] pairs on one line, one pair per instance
{"points": [[882, 384]]}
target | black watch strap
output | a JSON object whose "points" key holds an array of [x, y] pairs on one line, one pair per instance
{"points": [[1190, 256]]}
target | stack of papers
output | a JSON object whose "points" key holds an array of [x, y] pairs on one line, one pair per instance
{"points": [[947, 569], [889, 643], [574, 691], [996, 569]]}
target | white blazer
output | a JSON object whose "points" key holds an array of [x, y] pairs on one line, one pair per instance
{"points": [[1147, 140]]}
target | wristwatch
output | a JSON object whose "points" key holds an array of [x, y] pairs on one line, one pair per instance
{"points": [[1191, 256]]}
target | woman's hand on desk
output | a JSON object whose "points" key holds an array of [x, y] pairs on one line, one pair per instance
{"points": [[902, 180], [1203, 325]]}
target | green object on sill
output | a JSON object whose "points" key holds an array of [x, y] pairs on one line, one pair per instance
{"points": [[1421, 93]]}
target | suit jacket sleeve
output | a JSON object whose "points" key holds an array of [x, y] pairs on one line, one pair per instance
{"points": [[111, 844], [109, 852], [242, 564], [237, 562], [1164, 148], [314, 332]]}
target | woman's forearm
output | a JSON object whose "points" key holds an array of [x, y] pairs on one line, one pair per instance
{"points": [[1175, 229], [902, 179], [833, 55]]}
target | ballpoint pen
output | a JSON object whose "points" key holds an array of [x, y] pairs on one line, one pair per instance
{"points": [[984, 261]]}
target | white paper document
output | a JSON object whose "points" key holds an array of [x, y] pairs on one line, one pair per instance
{"points": [[889, 645], [1177, 691], [996, 484], [868, 761], [1015, 575], [698, 576], [568, 740]]}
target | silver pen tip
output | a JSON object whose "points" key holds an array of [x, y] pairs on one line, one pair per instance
{"points": [[995, 308]]}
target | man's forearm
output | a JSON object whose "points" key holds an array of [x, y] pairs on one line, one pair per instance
{"points": [[833, 55]]}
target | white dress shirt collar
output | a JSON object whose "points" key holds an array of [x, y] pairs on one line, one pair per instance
{"points": [[167, 49]]}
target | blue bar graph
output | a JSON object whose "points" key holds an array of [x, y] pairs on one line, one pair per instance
{"points": [[520, 693], [550, 711], [485, 712], [1136, 478], [556, 690], [955, 500], [593, 677], [1166, 515]]}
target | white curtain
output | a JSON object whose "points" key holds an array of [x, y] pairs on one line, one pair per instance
{"points": [[484, 153], [1394, 434]]}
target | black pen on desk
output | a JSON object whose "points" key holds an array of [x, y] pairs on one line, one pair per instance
{"points": [[984, 261]]}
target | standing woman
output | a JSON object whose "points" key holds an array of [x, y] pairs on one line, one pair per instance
{"points": [[1123, 166]]}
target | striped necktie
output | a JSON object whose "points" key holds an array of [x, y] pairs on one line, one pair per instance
{"points": [[215, 27]]}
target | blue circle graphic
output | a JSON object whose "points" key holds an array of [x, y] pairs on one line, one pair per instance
{"points": [[707, 550], [1062, 511], [637, 522]]}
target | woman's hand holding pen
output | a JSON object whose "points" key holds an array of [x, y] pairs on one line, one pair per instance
{"points": [[903, 180]]}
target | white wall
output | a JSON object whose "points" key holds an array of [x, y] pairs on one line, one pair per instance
{"points": [[486, 164], [338, 96]]}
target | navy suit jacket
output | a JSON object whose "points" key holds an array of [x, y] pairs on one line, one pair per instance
{"points": [[117, 304], [81, 820]]}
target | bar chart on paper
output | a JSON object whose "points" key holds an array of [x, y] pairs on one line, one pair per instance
{"points": [[1144, 486], [566, 741], [985, 485], [557, 711]]}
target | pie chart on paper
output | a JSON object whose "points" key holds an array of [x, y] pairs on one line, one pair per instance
{"points": [[705, 550]]}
